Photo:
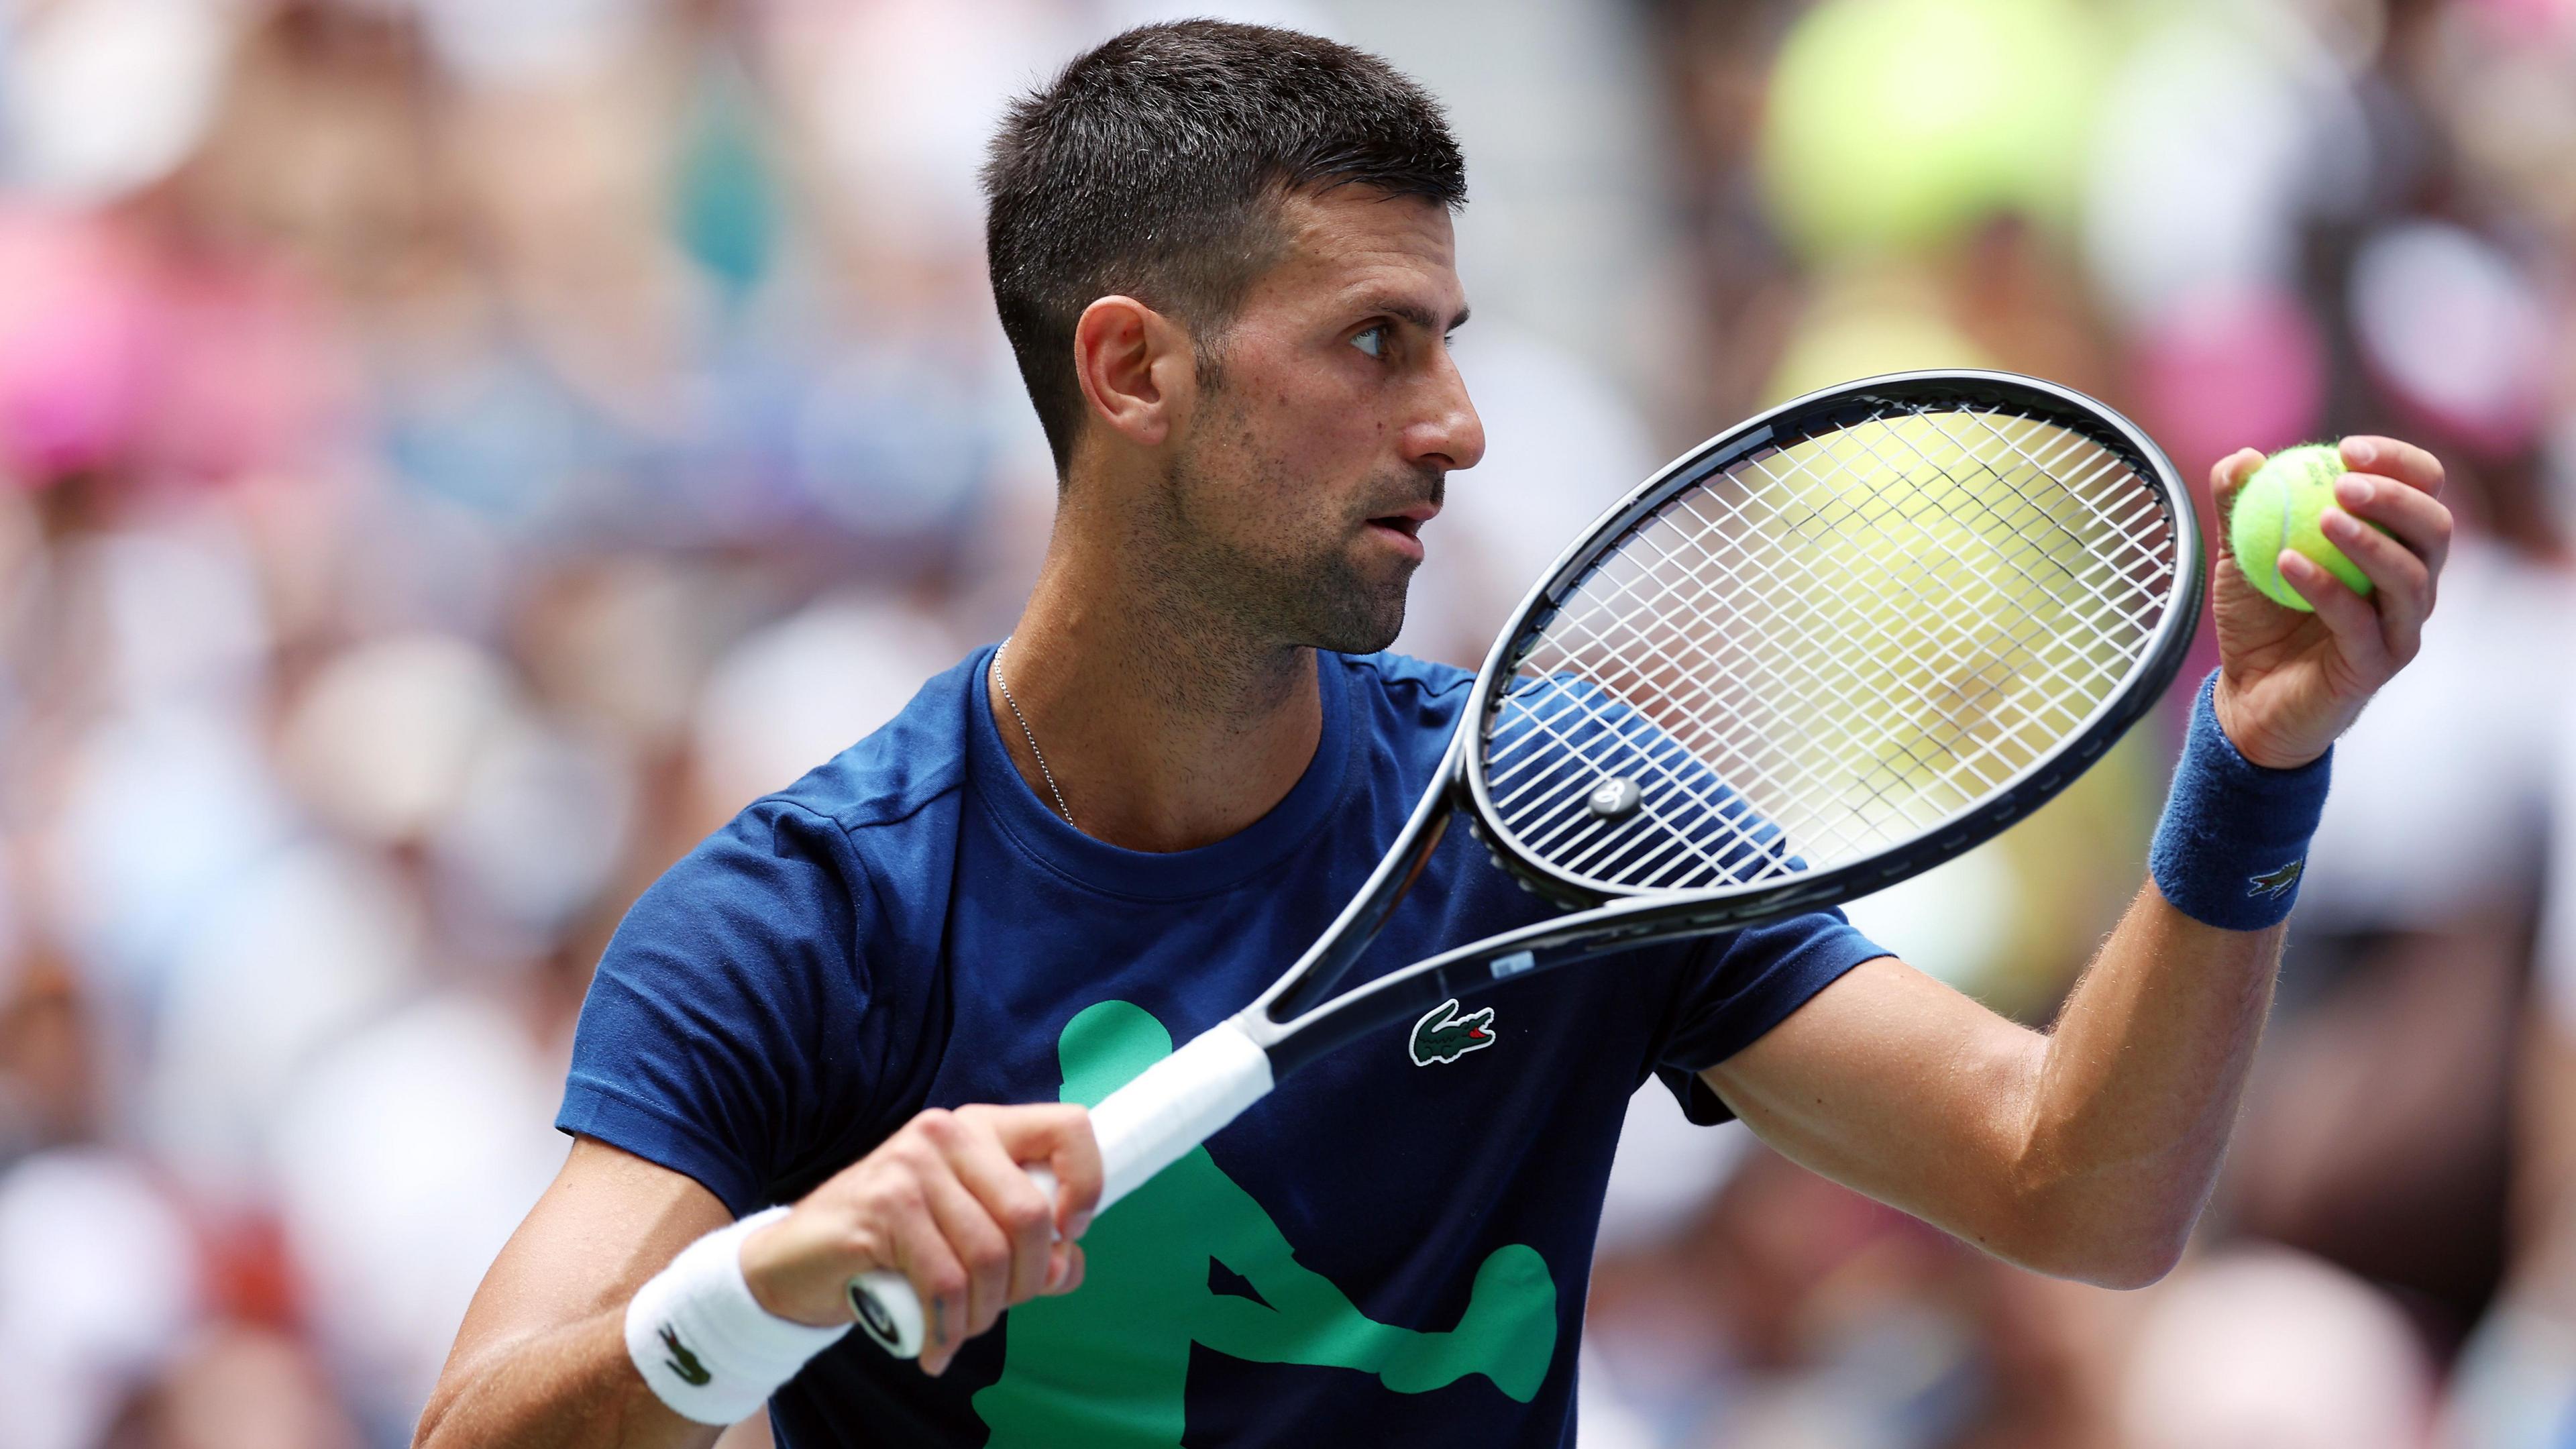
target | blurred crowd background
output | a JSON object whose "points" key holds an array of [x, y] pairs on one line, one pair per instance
{"points": [[454, 453]]}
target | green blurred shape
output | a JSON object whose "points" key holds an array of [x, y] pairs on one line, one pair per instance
{"points": [[725, 205], [1895, 124]]}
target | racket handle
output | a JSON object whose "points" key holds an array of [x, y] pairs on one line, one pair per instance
{"points": [[1143, 1127], [890, 1312]]}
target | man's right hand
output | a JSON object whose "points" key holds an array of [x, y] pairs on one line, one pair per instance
{"points": [[946, 1203]]}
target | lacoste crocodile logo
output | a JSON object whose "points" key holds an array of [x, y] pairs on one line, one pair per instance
{"points": [[2274, 882], [683, 1362], [1442, 1035]]}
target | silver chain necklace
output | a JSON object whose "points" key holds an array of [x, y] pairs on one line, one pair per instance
{"points": [[1029, 734]]}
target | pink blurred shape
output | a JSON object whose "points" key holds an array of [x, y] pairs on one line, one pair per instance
{"points": [[76, 344], [248, 376], [2527, 20], [2241, 367]]}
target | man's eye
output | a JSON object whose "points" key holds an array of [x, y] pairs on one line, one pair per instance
{"points": [[1372, 341]]}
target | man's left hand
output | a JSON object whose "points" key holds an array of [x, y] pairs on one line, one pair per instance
{"points": [[2289, 683]]}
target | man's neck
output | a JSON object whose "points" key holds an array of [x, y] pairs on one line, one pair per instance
{"points": [[1164, 728]]}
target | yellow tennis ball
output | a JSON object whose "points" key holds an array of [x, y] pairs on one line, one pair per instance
{"points": [[2279, 507]]}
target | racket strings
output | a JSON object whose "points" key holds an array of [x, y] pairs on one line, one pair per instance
{"points": [[1704, 522], [1881, 698], [2129, 624], [1831, 646], [1680, 795], [1845, 643]]}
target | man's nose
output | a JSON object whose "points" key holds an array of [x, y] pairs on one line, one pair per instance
{"points": [[1450, 435]]}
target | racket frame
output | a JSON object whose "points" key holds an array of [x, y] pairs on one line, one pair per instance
{"points": [[1293, 1022]]}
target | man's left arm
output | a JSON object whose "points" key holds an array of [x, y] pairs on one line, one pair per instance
{"points": [[2087, 1151]]}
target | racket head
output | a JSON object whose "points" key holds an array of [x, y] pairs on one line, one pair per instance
{"points": [[1834, 646]]}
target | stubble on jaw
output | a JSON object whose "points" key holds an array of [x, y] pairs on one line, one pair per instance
{"points": [[1244, 588]]}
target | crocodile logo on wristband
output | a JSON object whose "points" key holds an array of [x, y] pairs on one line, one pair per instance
{"points": [[2275, 883], [683, 1362]]}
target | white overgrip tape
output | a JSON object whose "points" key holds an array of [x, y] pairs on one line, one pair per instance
{"points": [[1174, 1105], [704, 1344]]}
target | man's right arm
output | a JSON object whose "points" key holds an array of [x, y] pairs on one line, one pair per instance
{"points": [[541, 1357]]}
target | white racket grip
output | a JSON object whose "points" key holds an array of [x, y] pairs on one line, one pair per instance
{"points": [[1142, 1128], [1174, 1105]]}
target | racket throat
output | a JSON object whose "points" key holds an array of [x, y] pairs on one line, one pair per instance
{"points": [[1326, 962]]}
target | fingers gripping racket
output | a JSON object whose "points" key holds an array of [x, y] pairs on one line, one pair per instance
{"points": [[1827, 650]]}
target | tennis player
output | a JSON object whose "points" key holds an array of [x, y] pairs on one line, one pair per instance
{"points": [[827, 1040]]}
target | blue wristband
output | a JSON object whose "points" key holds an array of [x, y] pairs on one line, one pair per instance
{"points": [[2234, 839]]}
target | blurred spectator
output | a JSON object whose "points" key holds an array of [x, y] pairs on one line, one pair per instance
{"points": [[98, 1281], [2264, 1347], [236, 1388]]}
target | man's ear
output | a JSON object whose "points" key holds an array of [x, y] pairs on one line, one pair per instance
{"points": [[1136, 366]]}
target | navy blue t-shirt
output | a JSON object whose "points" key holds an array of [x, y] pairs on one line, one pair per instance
{"points": [[1392, 1247]]}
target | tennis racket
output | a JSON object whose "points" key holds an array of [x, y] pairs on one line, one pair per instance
{"points": [[1828, 649]]}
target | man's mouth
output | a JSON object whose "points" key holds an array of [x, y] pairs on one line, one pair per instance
{"points": [[1406, 524], [1403, 531]]}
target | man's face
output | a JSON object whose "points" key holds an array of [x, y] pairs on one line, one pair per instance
{"points": [[1302, 477]]}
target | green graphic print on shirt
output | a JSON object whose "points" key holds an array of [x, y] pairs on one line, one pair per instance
{"points": [[1107, 1366]]}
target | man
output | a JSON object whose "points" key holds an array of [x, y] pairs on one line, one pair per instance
{"points": [[1223, 255]]}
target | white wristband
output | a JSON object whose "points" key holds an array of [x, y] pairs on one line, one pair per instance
{"points": [[704, 1344]]}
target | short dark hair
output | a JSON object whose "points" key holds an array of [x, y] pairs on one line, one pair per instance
{"points": [[1155, 166]]}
